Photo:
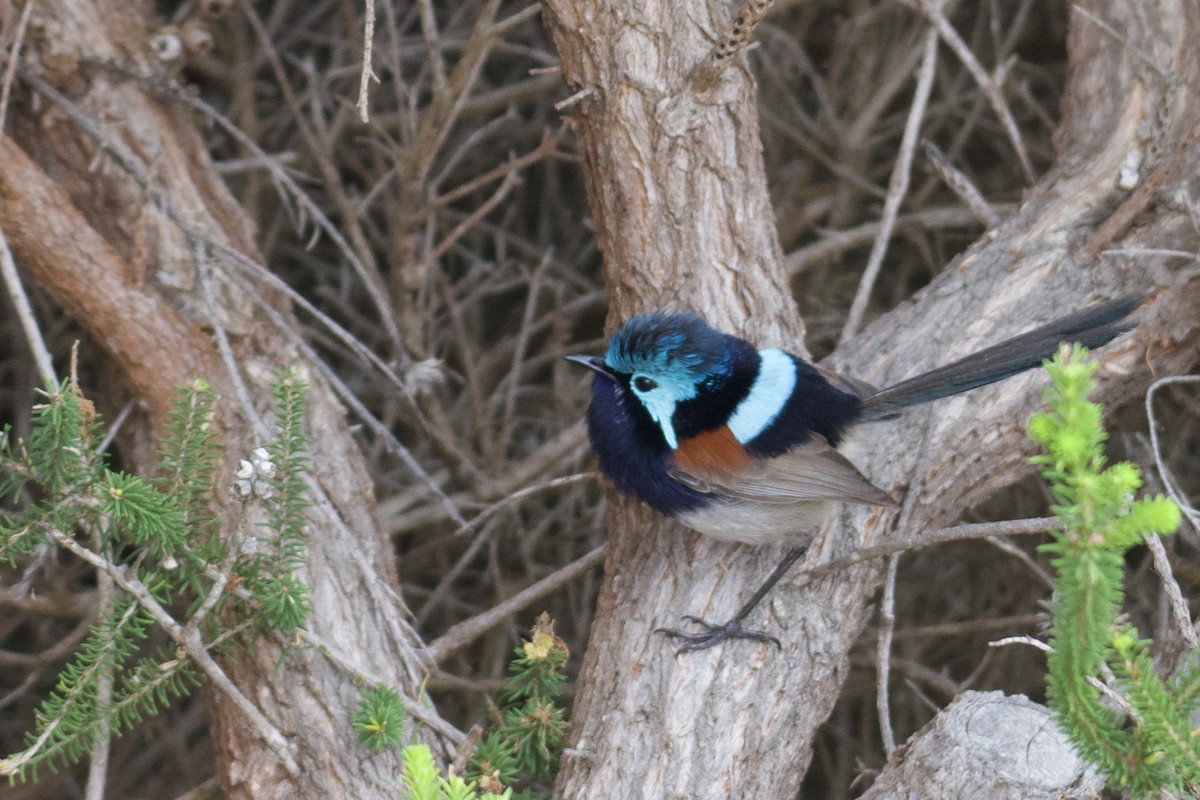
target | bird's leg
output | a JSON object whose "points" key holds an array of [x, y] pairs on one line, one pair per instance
{"points": [[732, 628]]}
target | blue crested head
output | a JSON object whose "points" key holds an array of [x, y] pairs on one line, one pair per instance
{"points": [[668, 360], [680, 350]]}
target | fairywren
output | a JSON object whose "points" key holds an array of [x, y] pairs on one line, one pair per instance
{"points": [[740, 443]]}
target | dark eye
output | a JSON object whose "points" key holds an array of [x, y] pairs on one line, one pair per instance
{"points": [[644, 384]]}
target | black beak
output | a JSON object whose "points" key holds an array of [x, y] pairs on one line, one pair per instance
{"points": [[594, 363]]}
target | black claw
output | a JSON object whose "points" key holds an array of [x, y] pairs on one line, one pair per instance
{"points": [[715, 634], [732, 629]]}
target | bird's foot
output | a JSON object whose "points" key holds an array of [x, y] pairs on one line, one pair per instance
{"points": [[711, 634]]}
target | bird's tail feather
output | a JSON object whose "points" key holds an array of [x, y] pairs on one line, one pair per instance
{"points": [[1092, 327]]}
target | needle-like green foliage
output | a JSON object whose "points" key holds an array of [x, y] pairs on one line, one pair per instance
{"points": [[282, 594], [157, 545], [525, 748], [379, 721], [1151, 748], [423, 781]]}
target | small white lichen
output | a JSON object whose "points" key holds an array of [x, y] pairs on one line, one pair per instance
{"points": [[1131, 170], [253, 476], [166, 46]]}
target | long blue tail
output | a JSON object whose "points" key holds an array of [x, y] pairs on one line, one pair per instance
{"points": [[1094, 326]]}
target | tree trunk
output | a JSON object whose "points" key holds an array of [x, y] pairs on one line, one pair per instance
{"points": [[674, 172], [116, 224]]}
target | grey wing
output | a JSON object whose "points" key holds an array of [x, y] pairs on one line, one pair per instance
{"points": [[812, 471]]}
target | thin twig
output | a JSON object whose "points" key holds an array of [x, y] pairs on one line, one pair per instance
{"points": [[1179, 606], [961, 185], [364, 81], [897, 188], [220, 576], [1149, 190], [544, 149], [503, 26], [200, 264], [976, 530], [441, 114], [433, 47], [20, 304], [447, 581], [575, 98], [469, 630], [191, 644], [114, 427], [1004, 544], [508, 416], [986, 83], [102, 745], [259, 274], [1150, 251], [1168, 479], [1026, 640], [834, 243], [883, 651], [1105, 687], [464, 227], [14, 58], [1175, 599], [465, 750]]}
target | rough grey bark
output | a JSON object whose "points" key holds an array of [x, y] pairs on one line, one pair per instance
{"points": [[987, 744], [676, 183], [98, 228]]}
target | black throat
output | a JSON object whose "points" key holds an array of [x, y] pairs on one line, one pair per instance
{"points": [[718, 396]]}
